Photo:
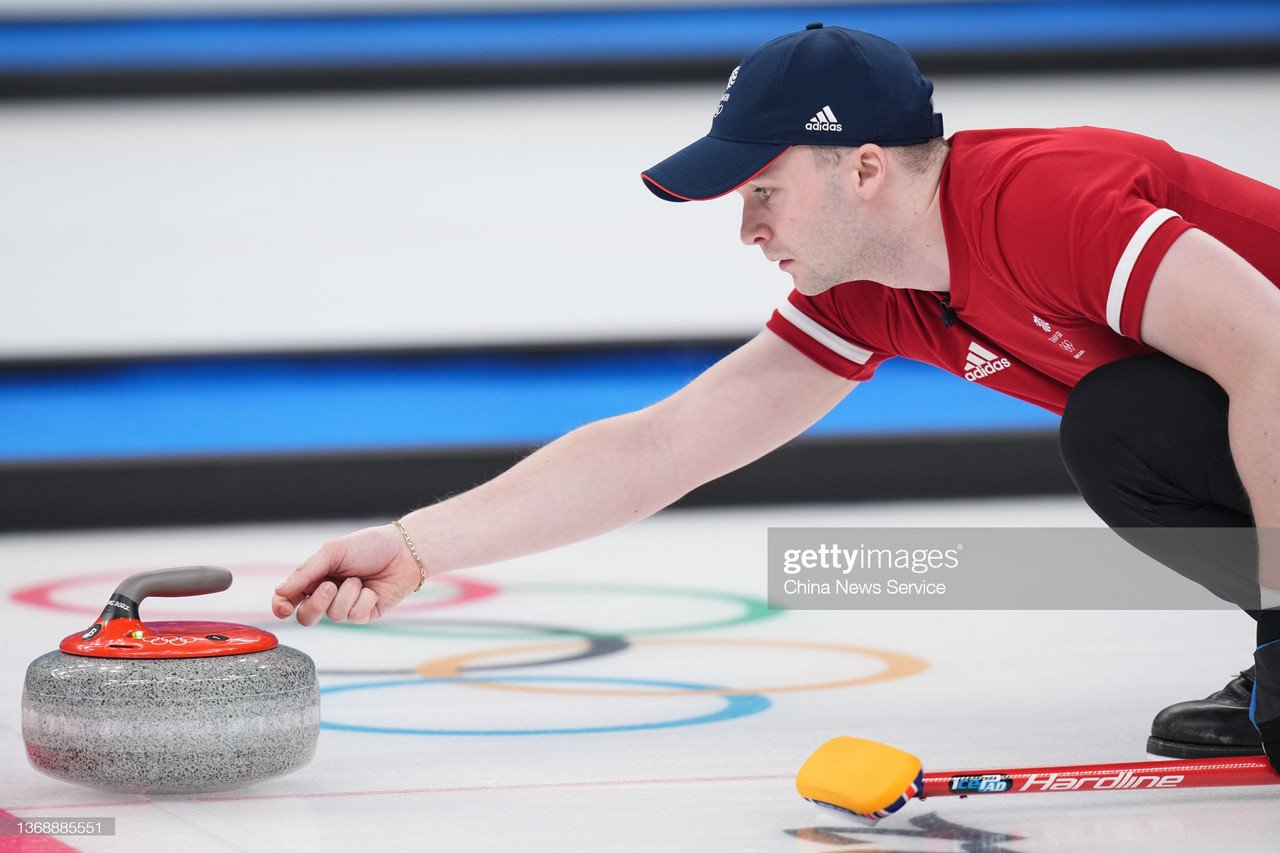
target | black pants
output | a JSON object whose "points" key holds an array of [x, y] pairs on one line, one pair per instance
{"points": [[1145, 440]]}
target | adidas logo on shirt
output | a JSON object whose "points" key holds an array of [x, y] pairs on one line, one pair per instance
{"points": [[982, 362], [824, 120]]}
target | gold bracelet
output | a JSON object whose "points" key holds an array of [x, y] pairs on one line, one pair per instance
{"points": [[422, 569]]}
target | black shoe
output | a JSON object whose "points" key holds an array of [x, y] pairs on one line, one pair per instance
{"points": [[1215, 726]]}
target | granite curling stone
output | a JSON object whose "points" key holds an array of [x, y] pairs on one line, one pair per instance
{"points": [[169, 707]]}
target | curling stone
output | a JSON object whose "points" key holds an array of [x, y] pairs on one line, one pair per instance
{"points": [[169, 707]]}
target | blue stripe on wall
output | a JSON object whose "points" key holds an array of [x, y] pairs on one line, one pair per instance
{"points": [[349, 403], [276, 41]]}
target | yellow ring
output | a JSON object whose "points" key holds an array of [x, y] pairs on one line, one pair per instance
{"points": [[897, 665]]}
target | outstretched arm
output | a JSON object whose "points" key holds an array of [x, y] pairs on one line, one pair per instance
{"points": [[594, 479]]}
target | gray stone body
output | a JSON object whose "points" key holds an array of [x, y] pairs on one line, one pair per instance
{"points": [[176, 726]]}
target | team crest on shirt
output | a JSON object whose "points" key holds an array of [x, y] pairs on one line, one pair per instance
{"points": [[1057, 338], [982, 362]]}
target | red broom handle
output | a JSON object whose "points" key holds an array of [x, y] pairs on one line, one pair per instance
{"points": [[1125, 776]]}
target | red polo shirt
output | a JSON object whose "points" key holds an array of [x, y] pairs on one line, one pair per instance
{"points": [[1053, 237]]}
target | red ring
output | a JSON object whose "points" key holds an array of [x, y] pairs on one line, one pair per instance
{"points": [[41, 595]]}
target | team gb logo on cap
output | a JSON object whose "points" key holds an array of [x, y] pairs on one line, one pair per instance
{"points": [[732, 77]]}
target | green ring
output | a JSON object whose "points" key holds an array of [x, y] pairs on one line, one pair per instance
{"points": [[753, 610]]}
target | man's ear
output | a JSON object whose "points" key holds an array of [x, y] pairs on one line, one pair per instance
{"points": [[869, 167]]}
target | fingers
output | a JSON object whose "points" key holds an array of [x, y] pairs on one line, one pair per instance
{"points": [[363, 611], [343, 601], [305, 583], [351, 601], [303, 579], [334, 580], [281, 607], [310, 611]]}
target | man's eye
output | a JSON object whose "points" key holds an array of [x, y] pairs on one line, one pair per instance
{"points": [[764, 192]]}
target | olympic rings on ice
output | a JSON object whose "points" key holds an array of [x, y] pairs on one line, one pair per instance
{"points": [[751, 609], [895, 665], [44, 595], [596, 645], [736, 706]]}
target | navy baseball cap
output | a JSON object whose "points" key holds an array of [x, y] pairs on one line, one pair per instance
{"points": [[820, 86]]}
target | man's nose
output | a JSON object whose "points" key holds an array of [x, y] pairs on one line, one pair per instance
{"points": [[753, 229]]}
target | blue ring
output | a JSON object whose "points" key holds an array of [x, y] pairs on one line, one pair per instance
{"points": [[736, 705]]}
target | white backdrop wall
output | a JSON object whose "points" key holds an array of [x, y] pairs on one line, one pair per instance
{"points": [[282, 223]]}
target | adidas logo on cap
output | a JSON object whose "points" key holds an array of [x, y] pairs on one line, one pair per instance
{"points": [[982, 362], [824, 120]]}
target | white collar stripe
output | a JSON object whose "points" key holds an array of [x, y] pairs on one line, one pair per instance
{"points": [[819, 333], [1129, 259]]}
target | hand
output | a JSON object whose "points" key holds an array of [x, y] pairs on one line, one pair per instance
{"points": [[356, 578]]}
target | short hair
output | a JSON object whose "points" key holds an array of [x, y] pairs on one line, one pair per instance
{"points": [[917, 159]]}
